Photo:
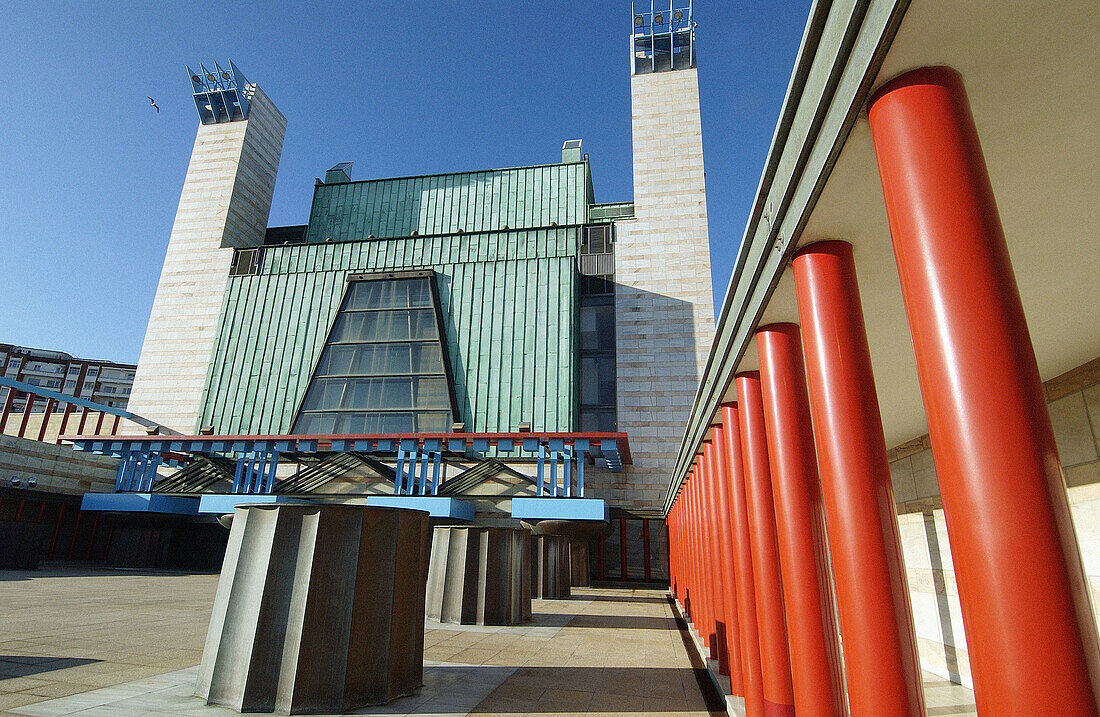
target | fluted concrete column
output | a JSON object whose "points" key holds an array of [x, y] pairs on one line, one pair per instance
{"points": [[550, 567], [480, 576], [579, 570], [318, 609]]}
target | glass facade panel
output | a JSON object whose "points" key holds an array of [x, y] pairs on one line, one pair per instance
{"points": [[598, 328], [598, 409], [383, 369]]}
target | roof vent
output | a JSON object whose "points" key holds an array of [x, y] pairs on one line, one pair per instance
{"points": [[339, 174], [571, 151]]}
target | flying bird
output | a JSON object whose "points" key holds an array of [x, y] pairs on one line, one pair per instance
{"points": [[153, 103]]}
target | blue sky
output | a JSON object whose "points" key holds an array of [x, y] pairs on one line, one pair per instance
{"points": [[90, 175]]}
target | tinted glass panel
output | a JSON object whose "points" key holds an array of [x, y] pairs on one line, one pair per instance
{"points": [[394, 294], [382, 370], [597, 328]]}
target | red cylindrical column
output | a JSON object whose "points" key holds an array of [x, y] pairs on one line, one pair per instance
{"points": [[800, 525], [674, 580], [699, 616], [693, 600], [743, 580], [719, 497], [705, 616], [771, 622], [1029, 625], [720, 648], [880, 646]]}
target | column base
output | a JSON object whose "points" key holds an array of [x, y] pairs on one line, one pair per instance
{"points": [[480, 576], [318, 609]]}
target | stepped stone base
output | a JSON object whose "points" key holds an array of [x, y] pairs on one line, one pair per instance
{"points": [[480, 576], [550, 561], [319, 609]]}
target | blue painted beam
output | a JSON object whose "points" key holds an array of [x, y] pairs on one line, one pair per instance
{"points": [[559, 509], [140, 503], [222, 503], [435, 506]]}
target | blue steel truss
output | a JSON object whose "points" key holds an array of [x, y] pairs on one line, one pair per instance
{"points": [[421, 464]]}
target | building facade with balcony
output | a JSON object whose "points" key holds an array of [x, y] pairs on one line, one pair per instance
{"points": [[105, 382]]}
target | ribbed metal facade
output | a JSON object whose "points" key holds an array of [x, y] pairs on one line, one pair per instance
{"points": [[491, 200], [509, 307]]}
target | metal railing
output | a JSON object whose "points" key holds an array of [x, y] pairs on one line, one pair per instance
{"points": [[91, 420]]}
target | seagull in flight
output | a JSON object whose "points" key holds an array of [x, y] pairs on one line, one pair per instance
{"points": [[153, 103]]}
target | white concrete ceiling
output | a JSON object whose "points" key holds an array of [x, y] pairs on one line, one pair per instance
{"points": [[1032, 71]]}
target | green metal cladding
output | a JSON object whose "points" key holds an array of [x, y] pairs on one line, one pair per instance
{"points": [[508, 298], [490, 200]]}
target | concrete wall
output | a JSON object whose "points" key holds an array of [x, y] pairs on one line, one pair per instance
{"points": [[225, 202], [664, 304], [57, 469], [1074, 404]]}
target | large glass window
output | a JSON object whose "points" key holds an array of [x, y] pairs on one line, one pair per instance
{"points": [[598, 410], [382, 369]]}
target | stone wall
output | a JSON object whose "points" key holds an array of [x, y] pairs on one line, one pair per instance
{"points": [[225, 202], [58, 469], [664, 309], [1074, 403]]}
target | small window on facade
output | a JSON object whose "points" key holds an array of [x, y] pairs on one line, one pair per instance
{"points": [[597, 239], [383, 368], [246, 262]]}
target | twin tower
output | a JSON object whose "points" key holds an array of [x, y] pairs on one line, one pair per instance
{"points": [[663, 297]]}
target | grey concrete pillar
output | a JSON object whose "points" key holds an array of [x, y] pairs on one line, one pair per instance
{"points": [[318, 609], [578, 564], [480, 576], [551, 567]]}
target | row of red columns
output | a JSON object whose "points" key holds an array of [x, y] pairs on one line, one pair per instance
{"points": [[801, 448]]}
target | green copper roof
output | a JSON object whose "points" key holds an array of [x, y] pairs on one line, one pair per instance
{"points": [[490, 200]]}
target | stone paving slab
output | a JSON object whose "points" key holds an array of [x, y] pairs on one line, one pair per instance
{"points": [[99, 641], [104, 642]]}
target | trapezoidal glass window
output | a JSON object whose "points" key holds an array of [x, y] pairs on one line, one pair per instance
{"points": [[384, 368]]}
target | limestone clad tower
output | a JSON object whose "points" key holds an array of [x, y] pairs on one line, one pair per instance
{"points": [[664, 304], [223, 210]]}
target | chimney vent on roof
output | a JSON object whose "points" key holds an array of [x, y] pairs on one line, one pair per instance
{"points": [[571, 151], [339, 174]]}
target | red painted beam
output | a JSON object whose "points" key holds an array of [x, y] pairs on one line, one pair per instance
{"points": [[50, 404], [26, 415]]}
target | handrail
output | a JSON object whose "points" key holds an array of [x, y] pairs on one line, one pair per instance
{"points": [[53, 397]]}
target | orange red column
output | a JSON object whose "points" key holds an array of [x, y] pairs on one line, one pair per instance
{"points": [[800, 525], [1030, 631], [771, 622], [880, 647], [699, 604], [706, 559], [733, 476], [725, 627]]}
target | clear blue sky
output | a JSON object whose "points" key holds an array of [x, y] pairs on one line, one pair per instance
{"points": [[90, 174]]}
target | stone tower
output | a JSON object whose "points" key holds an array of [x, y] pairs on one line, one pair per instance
{"points": [[222, 213], [664, 306]]}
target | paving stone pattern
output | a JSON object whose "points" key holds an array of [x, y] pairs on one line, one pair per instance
{"points": [[101, 642]]}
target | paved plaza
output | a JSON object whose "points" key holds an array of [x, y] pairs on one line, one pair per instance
{"points": [[110, 642]]}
